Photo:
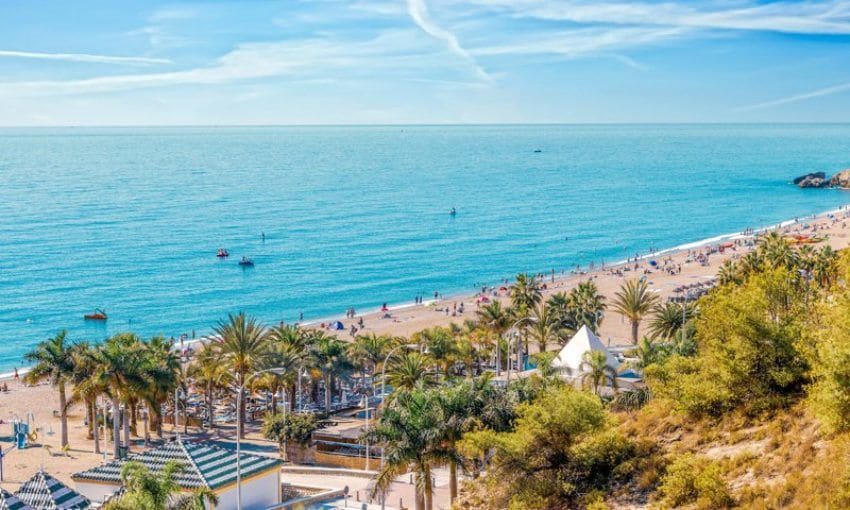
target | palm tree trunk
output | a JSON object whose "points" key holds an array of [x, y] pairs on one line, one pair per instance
{"points": [[429, 496], [126, 423], [327, 377], [452, 481], [90, 417], [134, 418], [635, 326], [210, 407], [292, 398], [274, 403], [116, 428], [93, 409], [241, 411], [63, 413]]}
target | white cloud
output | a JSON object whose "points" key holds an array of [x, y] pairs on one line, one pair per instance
{"points": [[418, 11], [85, 57], [828, 91], [311, 58], [809, 17]]}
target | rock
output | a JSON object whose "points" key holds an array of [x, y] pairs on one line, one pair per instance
{"points": [[814, 180], [840, 180]]}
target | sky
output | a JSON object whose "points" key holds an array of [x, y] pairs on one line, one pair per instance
{"points": [[252, 62]]}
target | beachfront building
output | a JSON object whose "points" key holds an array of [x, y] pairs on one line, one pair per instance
{"points": [[570, 358], [43, 492], [204, 465]]}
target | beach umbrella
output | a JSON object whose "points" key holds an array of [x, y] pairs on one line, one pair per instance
{"points": [[43, 492], [9, 502]]}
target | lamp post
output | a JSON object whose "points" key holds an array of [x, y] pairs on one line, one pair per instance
{"points": [[277, 370], [365, 404]]}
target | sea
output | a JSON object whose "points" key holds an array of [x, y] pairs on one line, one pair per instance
{"points": [[129, 219]]}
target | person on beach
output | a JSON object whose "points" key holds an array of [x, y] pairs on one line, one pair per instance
{"points": [[16, 373]]}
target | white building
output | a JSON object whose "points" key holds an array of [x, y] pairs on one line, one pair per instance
{"points": [[569, 360], [204, 465]]}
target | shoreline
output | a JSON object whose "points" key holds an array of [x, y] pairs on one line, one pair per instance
{"points": [[590, 271]]}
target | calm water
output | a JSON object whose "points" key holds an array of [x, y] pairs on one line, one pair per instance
{"points": [[130, 219]]}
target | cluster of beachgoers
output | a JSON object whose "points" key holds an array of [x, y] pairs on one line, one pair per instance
{"points": [[302, 398]]}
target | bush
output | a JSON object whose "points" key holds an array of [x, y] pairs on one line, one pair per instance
{"points": [[297, 427], [692, 479]]}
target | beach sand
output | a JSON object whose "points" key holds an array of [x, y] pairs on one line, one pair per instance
{"points": [[41, 400]]}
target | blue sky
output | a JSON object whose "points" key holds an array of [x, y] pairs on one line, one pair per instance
{"points": [[422, 61]]}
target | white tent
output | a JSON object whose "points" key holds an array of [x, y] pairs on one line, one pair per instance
{"points": [[570, 358]]}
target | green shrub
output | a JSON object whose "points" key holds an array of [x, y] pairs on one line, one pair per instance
{"points": [[297, 427], [692, 479]]}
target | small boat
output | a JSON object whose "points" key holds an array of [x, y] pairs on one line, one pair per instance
{"points": [[246, 262], [453, 212], [222, 253], [98, 315]]}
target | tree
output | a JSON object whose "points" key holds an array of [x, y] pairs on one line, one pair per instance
{"points": [[210, 371], [545, 327], [586, 306], [633, 301], [146, 490], [667, 319], [596, 372], [162, 373], [298, 344], [410, 370], [368, 352], [117, 365], [563, 445], [440, 345], [54, 361], [410, 431], [496, 319], [331, 355], [244, 343]]}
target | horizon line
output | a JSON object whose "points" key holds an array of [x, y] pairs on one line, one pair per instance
{"points": [[430, 124]]}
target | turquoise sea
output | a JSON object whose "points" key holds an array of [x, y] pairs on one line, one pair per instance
{"points": [[129, 219]]}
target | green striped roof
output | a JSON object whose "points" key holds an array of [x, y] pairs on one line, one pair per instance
{"points": [[43, 492], [204, 465], [10, 502]]}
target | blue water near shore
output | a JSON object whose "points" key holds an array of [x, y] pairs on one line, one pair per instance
{"points": [[130, 219]]}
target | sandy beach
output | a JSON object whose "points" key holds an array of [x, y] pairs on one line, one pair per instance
{"points": [[684, 269]]}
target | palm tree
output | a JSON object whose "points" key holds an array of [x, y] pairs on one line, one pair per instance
{"points": [[587, 306], [282, 357], [146, 490], [497, 320], [330, 354], [368, 351], [244, 344], [411, 432], [440, 345], [54, 361], [458, 417], [117, 369], [410, 370], [299, 344], [777, 252], [728, 273], [210, 371], [163, 373], [525, 292], [669, 319], [545, 327], [87, 388], [594, 364], [634, 300]]}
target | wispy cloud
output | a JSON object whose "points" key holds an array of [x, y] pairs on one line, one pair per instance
{"points": [[418, 11], [828, 91], [308, 59], [85, 57], [809, 17]]}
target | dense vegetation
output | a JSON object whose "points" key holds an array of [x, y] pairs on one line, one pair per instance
{"points": [[746, 404]]}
